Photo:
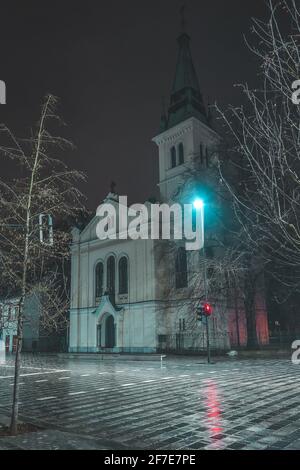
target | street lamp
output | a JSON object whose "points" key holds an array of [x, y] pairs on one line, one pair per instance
{"points": [[198, 204]]}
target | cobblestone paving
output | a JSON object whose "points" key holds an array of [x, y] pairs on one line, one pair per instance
{"points": [[55, 440], [179, 404]]}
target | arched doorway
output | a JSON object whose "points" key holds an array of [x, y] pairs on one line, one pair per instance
{"points": [[110, 332]]}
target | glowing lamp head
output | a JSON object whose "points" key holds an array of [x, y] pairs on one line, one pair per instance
{"points": [[198, 204]]}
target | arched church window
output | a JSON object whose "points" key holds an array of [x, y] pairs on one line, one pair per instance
{"points": [[111, 276], [123, 276], [99, 280], [181, 268], [173, 157], [181, 153]]}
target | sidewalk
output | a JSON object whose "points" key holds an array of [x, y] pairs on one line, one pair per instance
{"points": [[263, 353], [53, 439], [114, 356]]}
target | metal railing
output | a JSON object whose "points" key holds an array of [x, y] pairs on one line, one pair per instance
{"points": [[192, 342]]}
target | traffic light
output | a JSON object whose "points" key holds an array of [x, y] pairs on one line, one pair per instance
{"points": [[204, 310], [46, 229], [199, 313], [207, 309]]}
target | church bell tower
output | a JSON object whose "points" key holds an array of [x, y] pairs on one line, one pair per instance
{"points": [[185, 133]]}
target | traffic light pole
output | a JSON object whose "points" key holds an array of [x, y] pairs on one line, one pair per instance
{"points": [[207, 316]]}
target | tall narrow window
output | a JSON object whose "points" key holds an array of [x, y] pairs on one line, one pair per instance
{"points": [[123, 276], [201, 154], [209, 254], [181, 154], [99, 280], [207, 157], [9, 316], [111, 276], [173, 157], [181, 268]]}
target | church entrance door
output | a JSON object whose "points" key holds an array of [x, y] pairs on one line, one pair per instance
{"points": [[110, 332]]}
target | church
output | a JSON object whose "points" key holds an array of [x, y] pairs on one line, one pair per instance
{"points": [[141, 296]]}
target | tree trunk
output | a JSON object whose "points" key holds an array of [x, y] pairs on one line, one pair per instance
{"points": [[252, 341], [15, 405], [236, 309]]}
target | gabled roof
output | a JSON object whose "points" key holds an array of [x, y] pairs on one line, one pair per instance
{"points": [[106, 306]]}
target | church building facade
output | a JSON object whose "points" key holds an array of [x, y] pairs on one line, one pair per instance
{"points": [[141, 295]]}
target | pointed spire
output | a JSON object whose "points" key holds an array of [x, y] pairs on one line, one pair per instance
{"points": [[186, 99], [185, 76]]}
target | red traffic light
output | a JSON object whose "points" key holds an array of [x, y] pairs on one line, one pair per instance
{"points": [[207, 308]]}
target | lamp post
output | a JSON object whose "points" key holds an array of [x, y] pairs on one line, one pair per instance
{"points": [[199, 205]]}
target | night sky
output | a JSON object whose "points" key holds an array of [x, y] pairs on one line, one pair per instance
{"points": [[110, 63]]}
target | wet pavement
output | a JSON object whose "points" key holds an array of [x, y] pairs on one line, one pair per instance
{"points": [[181, 403]]}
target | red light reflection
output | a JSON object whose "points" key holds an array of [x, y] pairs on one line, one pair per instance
{"points": [[213, 413]]}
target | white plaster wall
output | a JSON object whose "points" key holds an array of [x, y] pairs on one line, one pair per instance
{"points": [[141, 269], [73, 330], [133, 329]]}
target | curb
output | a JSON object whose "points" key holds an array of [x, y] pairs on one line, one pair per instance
{"points": [[114, 357]]}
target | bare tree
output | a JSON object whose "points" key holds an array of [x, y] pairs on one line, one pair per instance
{"points": [[32, 252], [265, 154]]}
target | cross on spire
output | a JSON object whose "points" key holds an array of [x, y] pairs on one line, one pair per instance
{"points": [[113, 187], [183, 16]]}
